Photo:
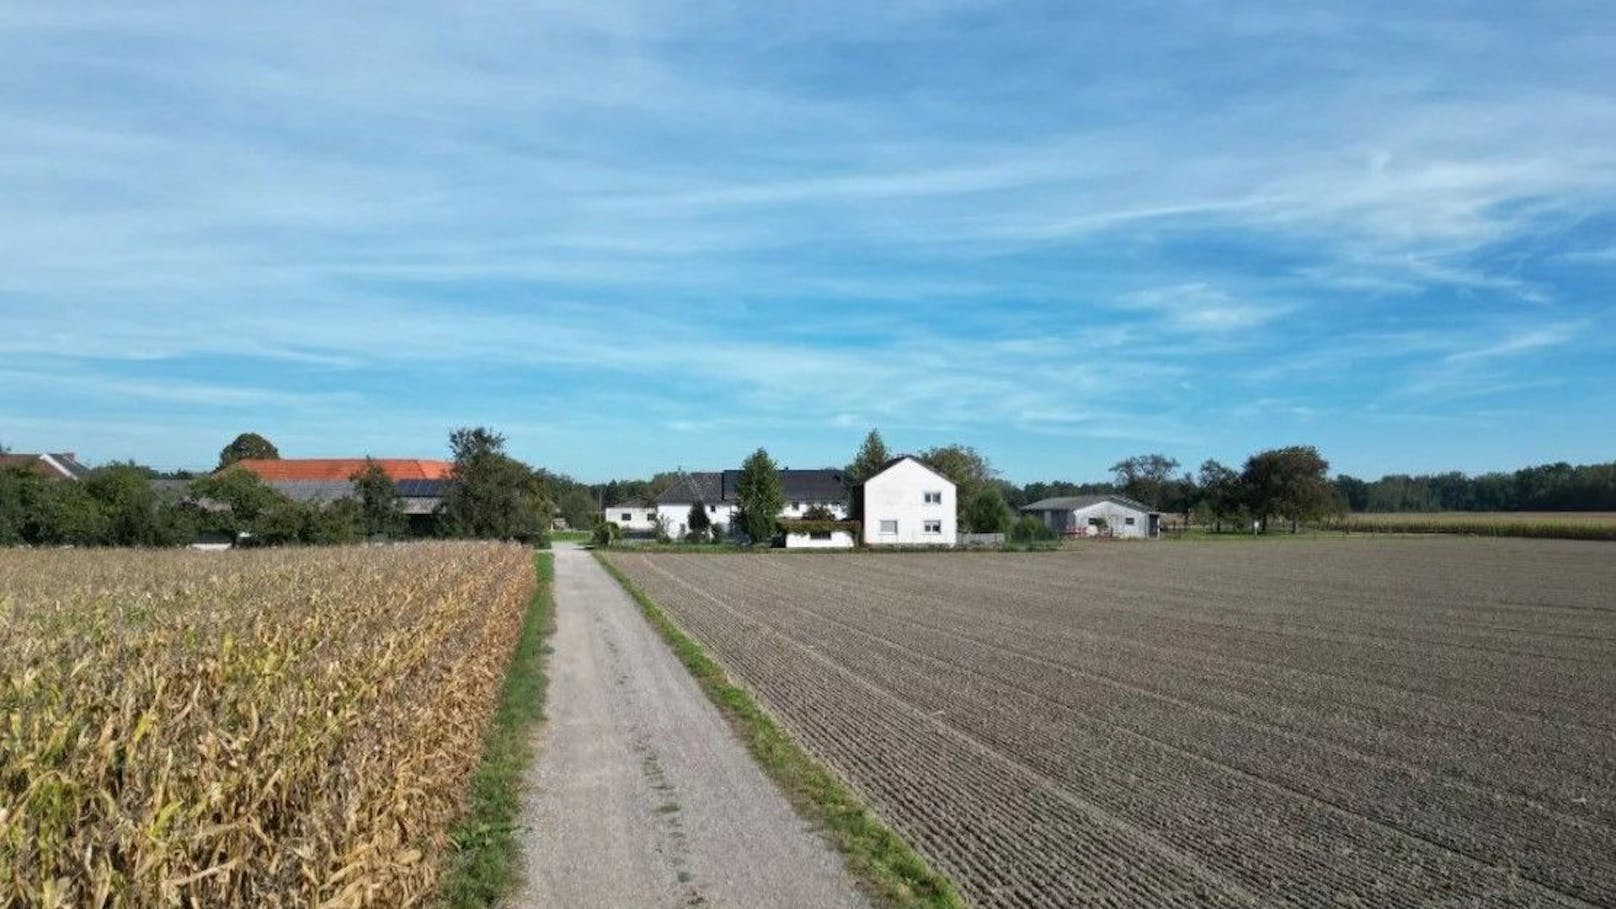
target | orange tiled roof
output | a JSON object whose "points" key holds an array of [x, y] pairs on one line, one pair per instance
{"points": [[344, 468]]}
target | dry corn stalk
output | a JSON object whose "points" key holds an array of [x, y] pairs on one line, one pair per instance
{"points": [[259, 728]]}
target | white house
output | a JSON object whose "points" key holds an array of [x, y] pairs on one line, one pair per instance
{"points": [[633, 516], [906, 503], [716, 491], [1096, 516]]}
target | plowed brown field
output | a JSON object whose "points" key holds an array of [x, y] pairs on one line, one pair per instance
{"points": [[1343, 723]]}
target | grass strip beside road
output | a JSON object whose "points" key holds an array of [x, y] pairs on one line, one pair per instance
{"points": [[482, 864], [883, 864]]}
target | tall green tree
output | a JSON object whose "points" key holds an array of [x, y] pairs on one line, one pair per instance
{"points": [[987, 512], [760, 496], [1221, 491], [577, 506], [1147, 478], [245, 446], [871, 455], [493, 496], [1291, 482], [969, 471], [246, 499], [381, 509], [697, 521], [135, 515]]}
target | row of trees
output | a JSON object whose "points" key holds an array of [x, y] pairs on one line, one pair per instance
{"points": [[1546, 487], [492, 496]]}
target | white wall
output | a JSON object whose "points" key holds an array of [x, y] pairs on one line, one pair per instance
{"points": [[1116, 516], [638, 519], [838, 539], [899, 494], [678, 516]]}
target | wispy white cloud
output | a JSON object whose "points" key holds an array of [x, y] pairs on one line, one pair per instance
{"points": [[970, 216]]}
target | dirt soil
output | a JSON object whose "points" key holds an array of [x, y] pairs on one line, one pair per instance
{"points": [[1378, 722], [642, 795]]}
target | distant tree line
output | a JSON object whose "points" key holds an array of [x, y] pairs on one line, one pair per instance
{"points": [[491, 495], [1546, 487]]}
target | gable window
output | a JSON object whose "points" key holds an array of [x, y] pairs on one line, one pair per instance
{"points": [[712, 509], [934, 527], [1128, 521], [890, 527], [934, 498]]}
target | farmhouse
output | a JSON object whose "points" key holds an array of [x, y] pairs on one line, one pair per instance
{"points": [[716, 491], [634, 516], [906, 503], [61, 465], [1097, 516], [420, 483]]}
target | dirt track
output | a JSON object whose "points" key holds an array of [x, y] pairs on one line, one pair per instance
{"points": [[1373, 723], [641, 795]]}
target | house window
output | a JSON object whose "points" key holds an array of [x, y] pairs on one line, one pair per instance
{"points": [[825, 535], [934, 498], [627, 517], [934, 527], [712, 509], [796, 506], [889, 527], [1128, 521], [1094, 522]]}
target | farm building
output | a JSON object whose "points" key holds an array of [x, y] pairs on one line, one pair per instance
{"points": [[420, 483], [61, 465], [804, 490], [633, 516], [906, 503], [1097, 516]]}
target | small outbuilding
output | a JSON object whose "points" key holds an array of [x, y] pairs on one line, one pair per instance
{"points": [[1097, 516], [633, 516]]}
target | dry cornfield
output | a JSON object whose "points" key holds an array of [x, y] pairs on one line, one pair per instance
{"points": [[260, 728], [1361, 722]]}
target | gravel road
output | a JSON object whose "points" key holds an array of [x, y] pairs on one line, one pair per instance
{"points": [[641, 794]]}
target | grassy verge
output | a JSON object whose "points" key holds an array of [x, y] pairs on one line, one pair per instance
{"points": [[481, 866], [892, 873], [571, 536]]}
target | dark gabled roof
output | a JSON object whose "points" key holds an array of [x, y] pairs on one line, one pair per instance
{"points": [[633, 503], [698, 486], [800, 485], [56, 465], [891, 462], [1072, 503], [714, 487]]}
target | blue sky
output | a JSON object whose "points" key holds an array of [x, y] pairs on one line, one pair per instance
{"points": [[639, 235]]}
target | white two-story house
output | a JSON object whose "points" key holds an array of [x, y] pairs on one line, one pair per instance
{"points": [[906, 503]]}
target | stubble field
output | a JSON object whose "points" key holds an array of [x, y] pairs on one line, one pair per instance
{"points": [[1340, 723]]}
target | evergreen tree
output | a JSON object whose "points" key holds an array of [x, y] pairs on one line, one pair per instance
{"points": [[761, 496], [871, 455]]}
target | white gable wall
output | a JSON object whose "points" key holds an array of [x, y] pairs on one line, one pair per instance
{"points": [[631, 517], [896, 498], [1116, 516]]}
